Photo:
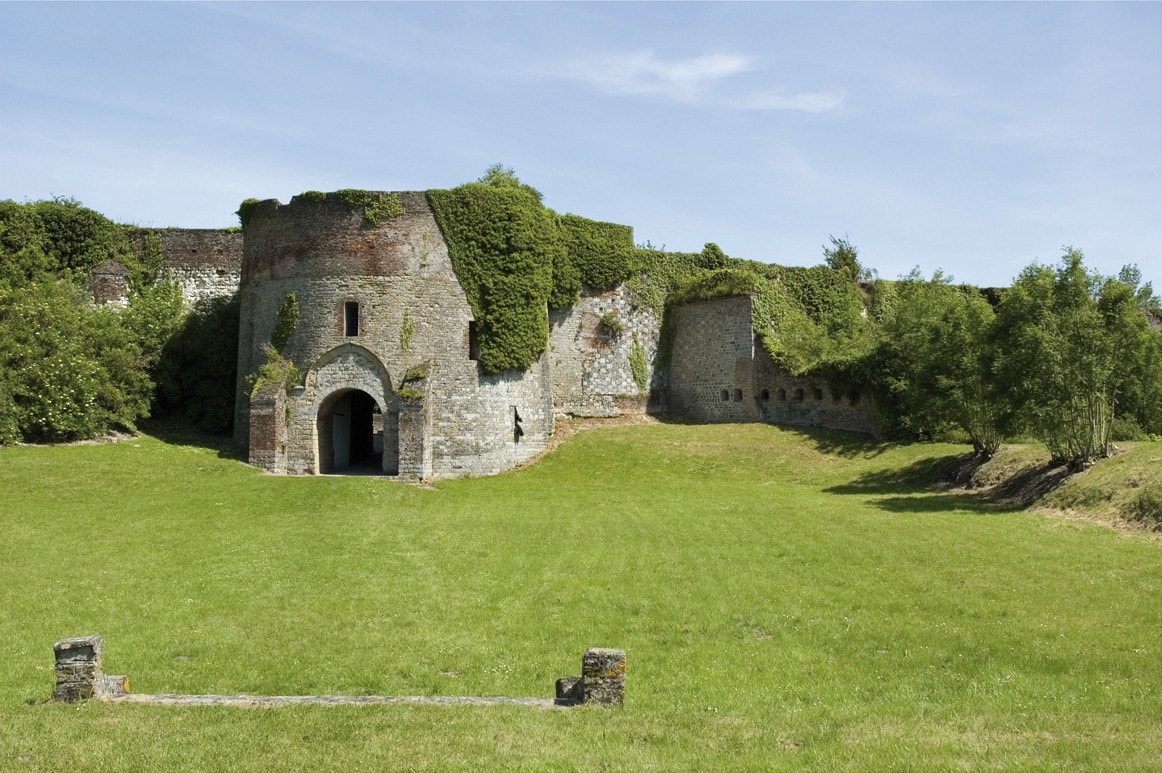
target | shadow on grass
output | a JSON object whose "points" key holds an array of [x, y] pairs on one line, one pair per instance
{"points": [[837, 442], [178, 433], [955, 482]]}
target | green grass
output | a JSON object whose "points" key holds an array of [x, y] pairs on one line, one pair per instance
{"points": [[787, 600]]}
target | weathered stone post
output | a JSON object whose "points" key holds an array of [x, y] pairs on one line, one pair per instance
{"points": [[415, 456], [268, 435], [78, 671], [78, 668], [603, 677], [602, 680]]}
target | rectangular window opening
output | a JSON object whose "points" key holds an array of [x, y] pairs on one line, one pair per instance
{"points": [[473, 341], [351, 318]]}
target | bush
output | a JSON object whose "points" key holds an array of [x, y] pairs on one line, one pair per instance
{"points": [[68, 371]]}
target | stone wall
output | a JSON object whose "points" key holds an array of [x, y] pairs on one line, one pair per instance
{"points": [[590, 362], [109, 284], [206, 263], [809, 402], [712, 361], [720, 372]]}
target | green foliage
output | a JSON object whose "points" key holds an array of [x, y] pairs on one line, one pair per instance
{"points": [[154, 315], [612, 323], [503, 245], [654, 274], [62, 238], [68, 371], [276, 370], [245, 210], [933, 368], [843, 257], [285, 322], [411, 383], [1070, 341], [639, 364], [376, 206], [196, 373], [602, 253], [314, 197], [712, 257], [501, 176], [407, 329]]}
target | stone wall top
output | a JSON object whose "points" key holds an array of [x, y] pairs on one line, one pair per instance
{"points": [[311, 237]]}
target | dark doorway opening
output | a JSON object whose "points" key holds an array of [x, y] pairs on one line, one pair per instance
{"points": [[355, 437]]}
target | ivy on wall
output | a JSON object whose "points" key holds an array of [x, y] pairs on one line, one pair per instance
{"points": [[376, 206], [602, 253], [515, 258], [503, 245]]}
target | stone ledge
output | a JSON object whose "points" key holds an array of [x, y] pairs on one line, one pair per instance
{"points": [[279, 701]]}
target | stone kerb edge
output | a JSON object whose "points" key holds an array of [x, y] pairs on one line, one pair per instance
{"points": [[79, 677]]}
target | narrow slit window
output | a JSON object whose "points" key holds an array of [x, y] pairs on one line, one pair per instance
{"points": [[473, 341], [351, 318]]}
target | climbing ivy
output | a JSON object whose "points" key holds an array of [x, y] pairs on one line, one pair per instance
{"points": [[406, 330], [601, 252], [503, 245], [285, 322], [639, 364]]}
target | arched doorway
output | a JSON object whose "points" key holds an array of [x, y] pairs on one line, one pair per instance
{"points": [[356, 437]]}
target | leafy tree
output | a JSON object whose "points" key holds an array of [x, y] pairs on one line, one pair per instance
{"points": [[934, 364], [501, 176], [1070, 340], [843, 257], [712, 257]]}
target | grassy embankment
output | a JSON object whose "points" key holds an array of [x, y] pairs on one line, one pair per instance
{"points": [[787, 600]]}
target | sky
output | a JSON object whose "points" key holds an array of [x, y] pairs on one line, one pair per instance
{"points": [[974, 138]]}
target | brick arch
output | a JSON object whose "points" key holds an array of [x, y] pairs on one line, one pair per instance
{"points": [[346, 370]]}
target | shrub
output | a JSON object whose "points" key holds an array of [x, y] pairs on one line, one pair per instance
{"points": [[376, 206]]}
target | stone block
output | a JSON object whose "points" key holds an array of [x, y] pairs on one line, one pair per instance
{"points": [[603, 677], [78, 668]]}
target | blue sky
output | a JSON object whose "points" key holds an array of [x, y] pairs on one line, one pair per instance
{"points": [[972, 137]]}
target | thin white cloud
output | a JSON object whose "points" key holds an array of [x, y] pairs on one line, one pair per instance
{"points": [[685, 80], [805, 102]]}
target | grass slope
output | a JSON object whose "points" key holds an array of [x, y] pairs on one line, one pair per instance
{"points": [[787, 600]]}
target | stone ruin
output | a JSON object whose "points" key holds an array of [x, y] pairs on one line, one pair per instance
{"points": [[380, 304]]}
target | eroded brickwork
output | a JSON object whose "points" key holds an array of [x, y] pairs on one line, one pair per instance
{"points": [[591, 370]]}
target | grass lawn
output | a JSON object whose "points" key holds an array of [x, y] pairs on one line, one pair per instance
{"points": [[787, 600]]}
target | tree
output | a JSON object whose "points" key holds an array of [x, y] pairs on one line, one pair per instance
{"points": [[1071, 341], [712, 257], [844, 258], [501, 176], [68, 371], [935, 362]]}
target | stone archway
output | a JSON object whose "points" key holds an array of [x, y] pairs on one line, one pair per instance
{"points": [[357, 435]]}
